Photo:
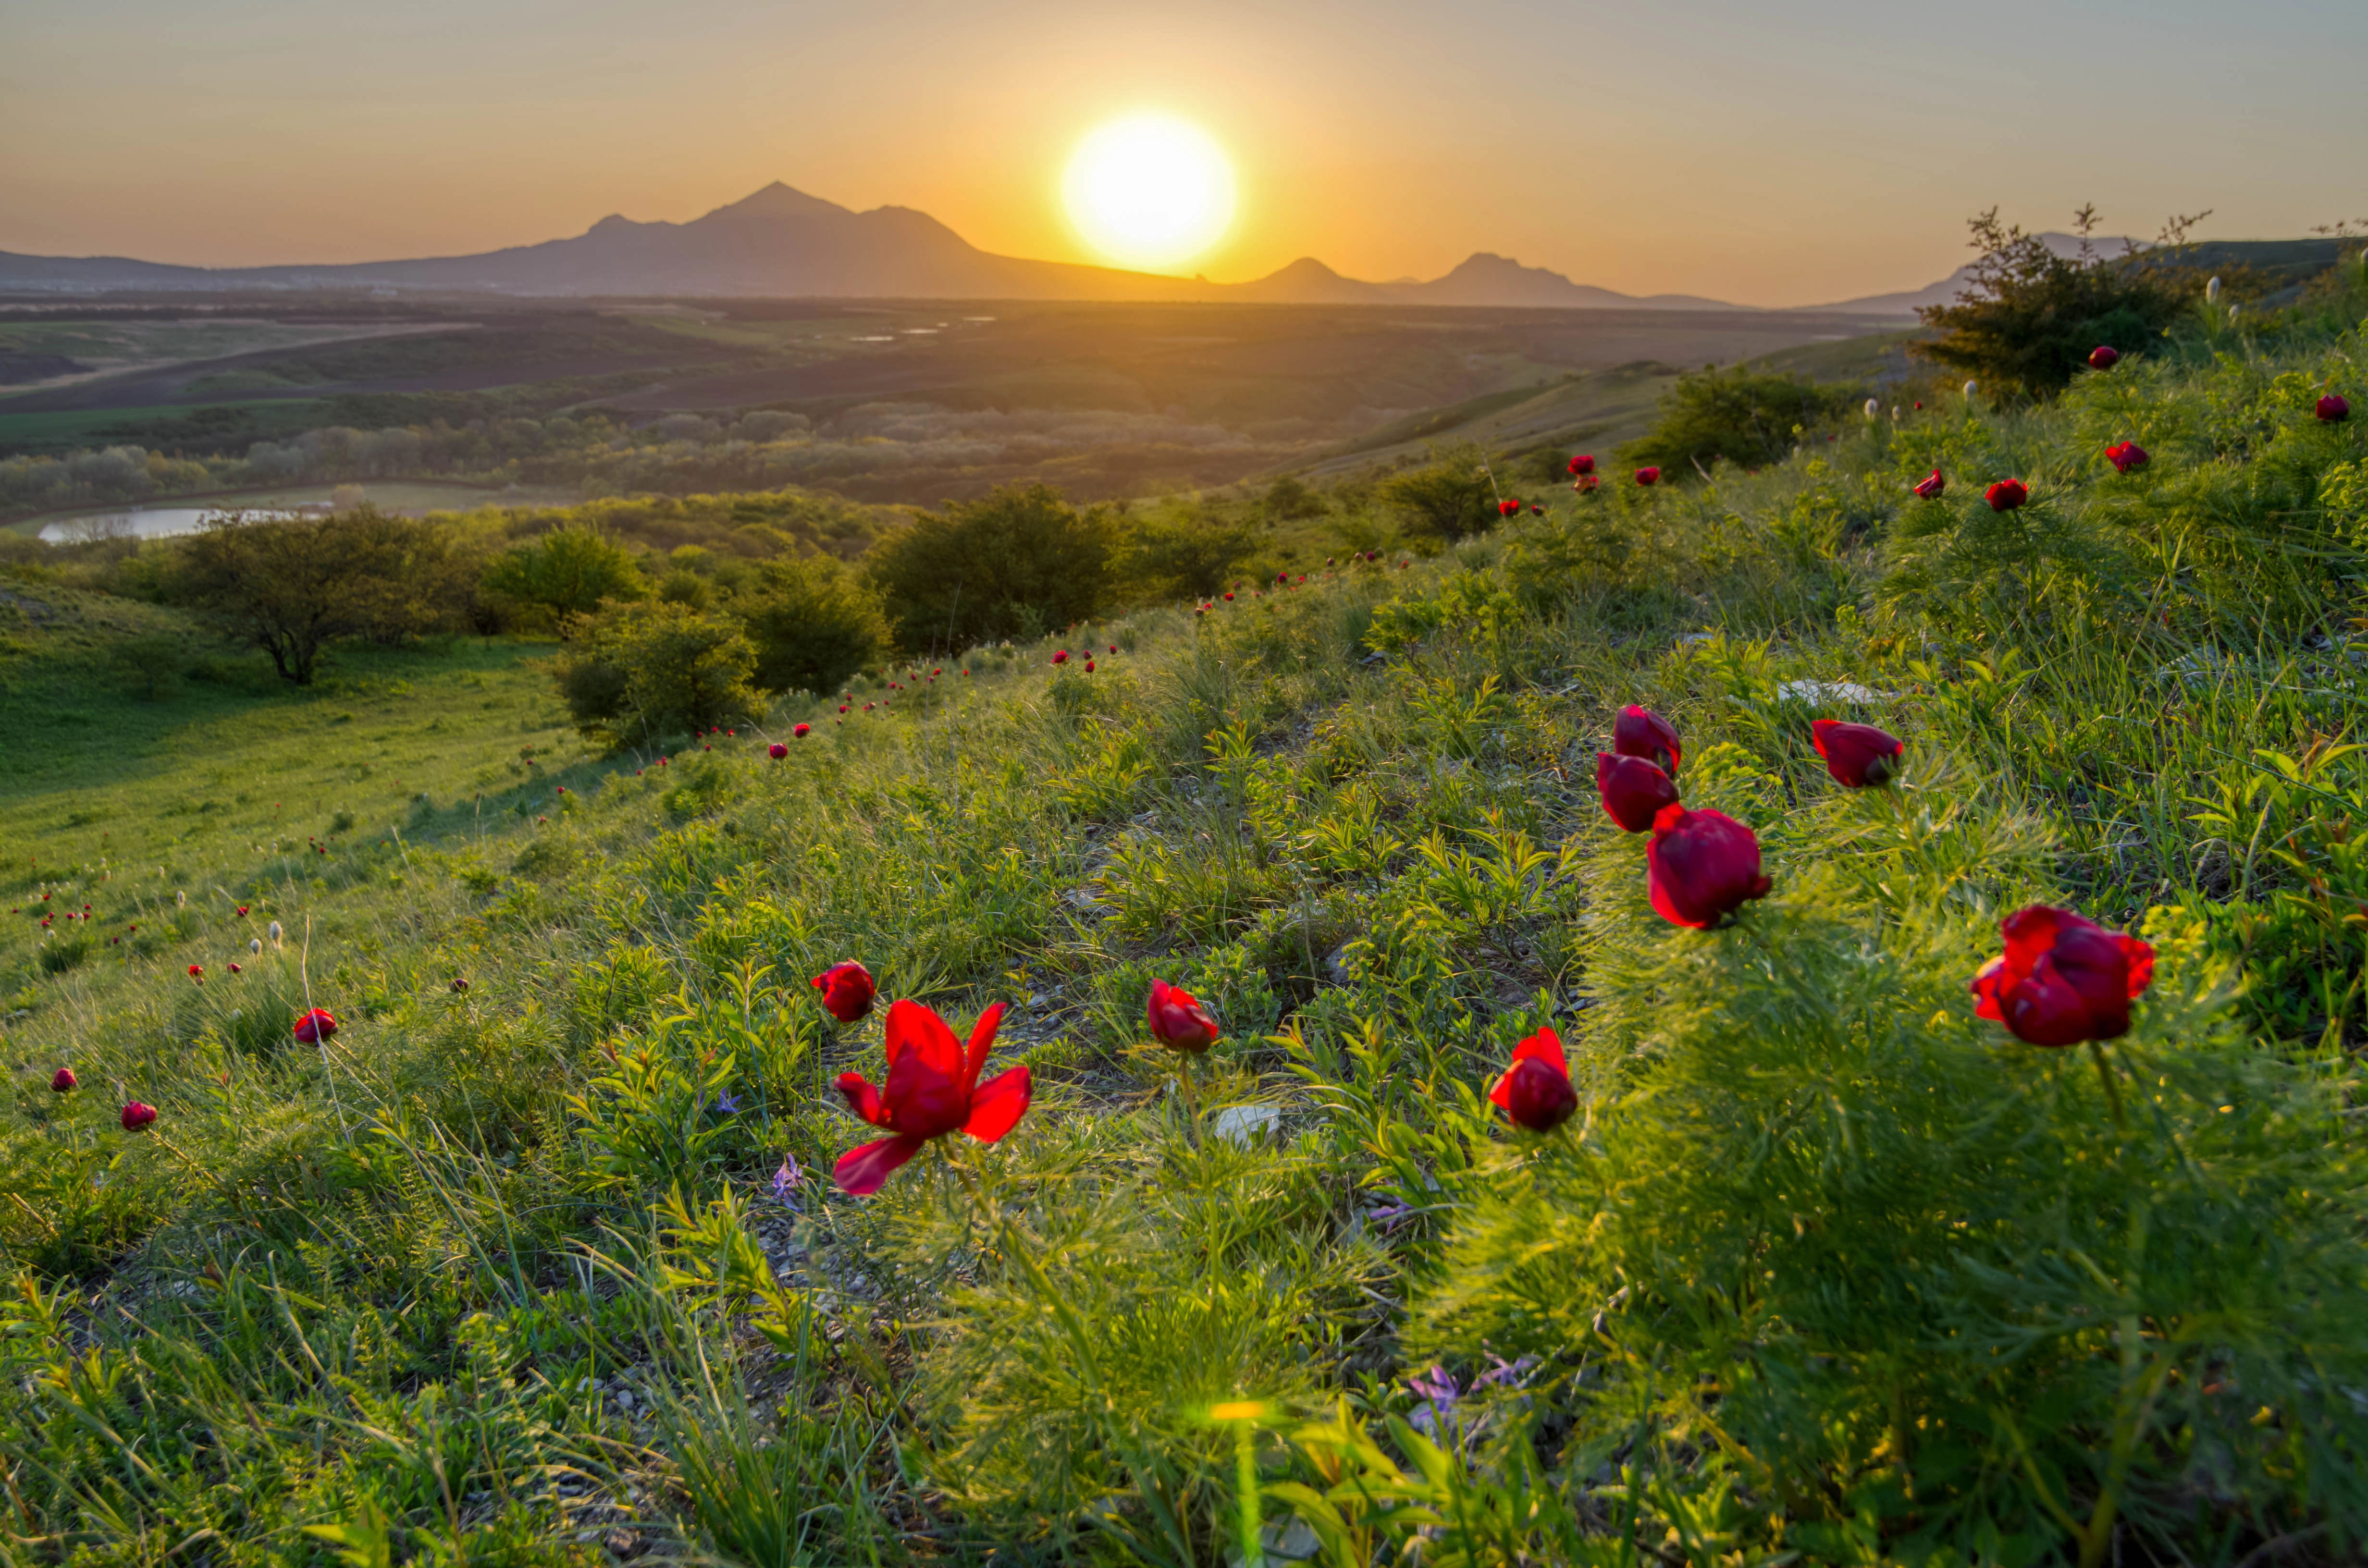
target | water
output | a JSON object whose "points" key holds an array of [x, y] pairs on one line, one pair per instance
{"points": [[141, 522]]}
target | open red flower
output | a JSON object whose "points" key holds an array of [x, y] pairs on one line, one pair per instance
{"points": [[136, 1114], [1929, 488], [1701, 867], [2127, 457], [64, 1082], [1583, 464], [1648, 476], [777, 751], [932, 1089], [2063, 979], [1633, 788], [197, 971], [1535, 1091], [801, 732], [2335, 408], [1640, 732], [1856, 754], [1506, 509], [2103, 357], [1177, 1019], [2006, 495], [846, 991], [1060, 656], [316, 1026]]}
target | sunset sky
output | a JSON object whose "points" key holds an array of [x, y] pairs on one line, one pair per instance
{"points": [[1762, 153]]}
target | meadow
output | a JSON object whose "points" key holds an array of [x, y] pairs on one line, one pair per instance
{"points": [[538, 1258]]}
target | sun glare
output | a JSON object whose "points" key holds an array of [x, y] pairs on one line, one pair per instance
{"points": [[1149, 190]]}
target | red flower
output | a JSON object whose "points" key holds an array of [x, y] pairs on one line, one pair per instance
{"points": [[63, 1081], [1090, 667], [1648, 476], [1701, 867], [198, 972], [846, 991], [1633, 789], [1506, 509], [1229, 597], [459, 986], [1856, 754], [1060, 656], [1587, 482], [1177, 1020], [2062, 979], [1582, 464], [802, 732], [2006, 495], [1640, 732], [1535, 1091], [2335, 408], [2103, 358], [1114, 647], [242, 908], [2126, 456], [1536, 510], [233, 969], [1931, 488], [932, 1089], [316, 1026], [137, 1116], [777, 751]]}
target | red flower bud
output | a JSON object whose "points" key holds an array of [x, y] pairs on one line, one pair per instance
{"points": [[846, 991], [2103, 358], [63, 1081], [1648, 476], [801, 732], [1506, 509], [1536, 510], [2006, 495], [1701, 867], [777, 751], [315, 1025], [1177, 1020], [2127, 457], [1856, 754], [1640, 732], [1535, 1091], [1633, 788], [1060, 656], [1931, 488], [1582, 463], [932, 1089], [2062, 979], [2335, 408], [137, 1116]]}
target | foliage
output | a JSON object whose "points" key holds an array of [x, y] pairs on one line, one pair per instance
{"points": [[648, 672], [1446, 500], [567, 572], [1739, 416], [812, 623], [1016, 563], [1185, 557]]}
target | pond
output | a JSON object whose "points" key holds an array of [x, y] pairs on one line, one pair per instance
{"points": [[140, 522]]}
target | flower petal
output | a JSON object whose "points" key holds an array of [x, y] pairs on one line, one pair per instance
{"points": [[999, 1104], [860, 1171], [862, 1099], [1545, 1043], [982, 1041], [913, 1027]]}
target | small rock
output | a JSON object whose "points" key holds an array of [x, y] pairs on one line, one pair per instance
{"points": [[1243, 1124]]}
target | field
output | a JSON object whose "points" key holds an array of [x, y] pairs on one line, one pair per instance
{"points": [[540, 1259]]}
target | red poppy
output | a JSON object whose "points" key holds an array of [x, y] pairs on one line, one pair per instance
{"points": [[2127, 456], [2335, 408], [242, 908], [1229, 597], [1856, 754], [932, 1089], [1060, 656], [1701, 867], [2006, 495], [137, 1116], [777, 751], [1114, 647], [233, 969], [1633, 788], [1177, 1020], [1090, 667], [198, 972], [1506, 509], [801, 732], [1648, 476], [315, 1025], [2103, 358], [63, 1081], [842, 707], [1536, 510], [2062, 979], [1535, 1091], [846, 991], [1640, 732], [1931, 488], [1582, 463]]}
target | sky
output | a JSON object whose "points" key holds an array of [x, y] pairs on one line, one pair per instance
{"points": [[1766, 154]]}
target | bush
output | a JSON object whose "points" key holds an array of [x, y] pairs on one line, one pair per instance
{"points": [[2035, 315], [648, 671], [1738, 415], [566, 572], [1016, 563], [1185, 557], [1449, 500], [812, 623]]}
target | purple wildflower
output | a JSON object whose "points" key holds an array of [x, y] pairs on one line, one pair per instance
{"points": [[727, 1105], [787, 1180], [1435, 1416]]}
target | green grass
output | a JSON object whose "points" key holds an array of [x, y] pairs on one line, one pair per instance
{"points": [[1826, 1269], [160, 426]]}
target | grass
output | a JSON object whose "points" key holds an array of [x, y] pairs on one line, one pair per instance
{"points": [[547, 1269], [60, 429]]}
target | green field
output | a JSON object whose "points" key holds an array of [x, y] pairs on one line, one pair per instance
{"points": [[159, 425]]}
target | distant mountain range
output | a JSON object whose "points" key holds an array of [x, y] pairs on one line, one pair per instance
{"points": [[782, 243]]}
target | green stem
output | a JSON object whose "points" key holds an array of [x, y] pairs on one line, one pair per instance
{"points": [[1245, 1469], [2112, 1090]]}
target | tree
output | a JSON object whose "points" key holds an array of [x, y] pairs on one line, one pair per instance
{"points": [[813, 623], [1738, 415], [1016, 563], [1447, 500], [1187, 557], [2032, 316], [566, 573], [290, 587], [1291, 500], [645, 671]]}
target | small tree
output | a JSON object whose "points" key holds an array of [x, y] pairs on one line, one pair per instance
{"points": [[649, 670], [1449, 499], [291, 587], [813, 624], [1015, 563], [1290, 500], [1738, 415], [1185, 557], [566, 573]]}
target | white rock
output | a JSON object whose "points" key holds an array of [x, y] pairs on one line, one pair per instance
{"points": [[1816, 691], [1243, 1124]]}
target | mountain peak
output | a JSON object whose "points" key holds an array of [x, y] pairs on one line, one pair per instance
{"points": [[777, 201]]}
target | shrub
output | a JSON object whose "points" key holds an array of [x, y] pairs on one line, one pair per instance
{"points": [[814, 623], [1185, 557], [1739, 416], [1449, 499], [566, 572], [1016, 563], [646, 670]]}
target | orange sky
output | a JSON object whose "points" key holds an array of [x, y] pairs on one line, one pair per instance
{"points": [[1762, 155]]}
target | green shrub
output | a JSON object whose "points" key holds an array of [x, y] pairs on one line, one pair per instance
{"points": [[814, 623], [649, 671], [1738, 415], [1446, 500], [566, 573], [1019, 561]]}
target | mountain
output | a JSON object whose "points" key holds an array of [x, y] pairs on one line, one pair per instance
{"points": [[1909, 302], [782, 243]]}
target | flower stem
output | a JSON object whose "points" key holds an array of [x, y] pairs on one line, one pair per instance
{"points": [[2112, 1090]]}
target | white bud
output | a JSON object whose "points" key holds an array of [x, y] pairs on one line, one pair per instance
{"points": [[273, 932], [254, 944], [1971, 388], [1873, 407], [2212, 291], [180, 901], [2232, 312]]}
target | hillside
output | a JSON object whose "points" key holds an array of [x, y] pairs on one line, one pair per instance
{"points": [[538, 1258]]}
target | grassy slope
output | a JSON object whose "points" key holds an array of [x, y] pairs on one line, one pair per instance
{"points": [[430, 1277]]}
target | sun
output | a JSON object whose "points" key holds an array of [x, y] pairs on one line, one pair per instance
{"points": [[1149, 190]]}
